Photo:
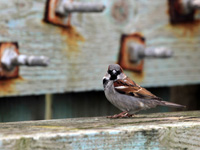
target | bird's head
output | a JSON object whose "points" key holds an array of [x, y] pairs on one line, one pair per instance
{"points": [[115, 71]]}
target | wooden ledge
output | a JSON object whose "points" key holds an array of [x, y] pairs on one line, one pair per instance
{"points": [[177, 130]]}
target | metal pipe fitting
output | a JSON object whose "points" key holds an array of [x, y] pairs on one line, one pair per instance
{"points": [[65, 7], [138, 52], [31, 60], [157, 52], [11, 59]]}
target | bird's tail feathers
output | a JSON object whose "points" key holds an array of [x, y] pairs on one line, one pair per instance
{"points": [[165, 103]]}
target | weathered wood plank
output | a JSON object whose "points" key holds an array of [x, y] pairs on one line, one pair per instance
{"points": [[80, 55], [178, 130]]}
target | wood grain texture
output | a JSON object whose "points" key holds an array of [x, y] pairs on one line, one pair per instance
{"points": [[178, 130], [80, 54]]}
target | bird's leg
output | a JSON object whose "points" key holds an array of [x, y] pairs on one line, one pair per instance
{"points": [[118, 115], [123, 114], [127, 115]]}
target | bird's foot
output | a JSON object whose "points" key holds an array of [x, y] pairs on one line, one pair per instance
{"points": [[123, 114], [117, 115], [127, 115], [131, 115]]}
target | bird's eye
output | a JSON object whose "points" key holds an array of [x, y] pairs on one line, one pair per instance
{"points": [[109, 71], [118, 72]]}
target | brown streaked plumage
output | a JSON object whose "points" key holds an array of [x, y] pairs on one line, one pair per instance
{"points": [[128, 96], [129, 87]]}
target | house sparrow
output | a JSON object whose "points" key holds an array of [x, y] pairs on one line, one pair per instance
{"points": [[128, 96]]}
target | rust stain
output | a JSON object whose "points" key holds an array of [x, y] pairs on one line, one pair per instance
{"points": [[182, 23], [185, 29], [182, 19], [7, 86], [72, 38], [63, 23], [138, 77], [124, 55]]}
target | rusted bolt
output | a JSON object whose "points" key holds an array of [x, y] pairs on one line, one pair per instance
{"points": [[125, 59], [31, 60], [58, 11], [189, 5], [138, 52], [65, 7], [133, 51], [195, 3], [10, 59], [183, 10], [8, 56]]}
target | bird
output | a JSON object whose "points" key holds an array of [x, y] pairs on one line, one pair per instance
{"points": [[127, 95]]}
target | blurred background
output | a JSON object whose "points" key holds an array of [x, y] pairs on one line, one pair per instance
{"points": [[52, 62]]}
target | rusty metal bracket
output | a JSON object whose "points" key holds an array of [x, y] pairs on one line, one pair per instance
{"points": [[8, 73], [58, 11], [133, 51], [183, 11], [10, 60], [124, 55]]}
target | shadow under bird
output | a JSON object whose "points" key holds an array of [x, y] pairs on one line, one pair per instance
{"points": [[128, 96]]}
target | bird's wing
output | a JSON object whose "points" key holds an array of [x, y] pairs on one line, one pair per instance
{"points": [[129, 87]]}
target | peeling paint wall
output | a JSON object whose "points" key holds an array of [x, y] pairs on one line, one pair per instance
{"points": [[81, 53]]}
